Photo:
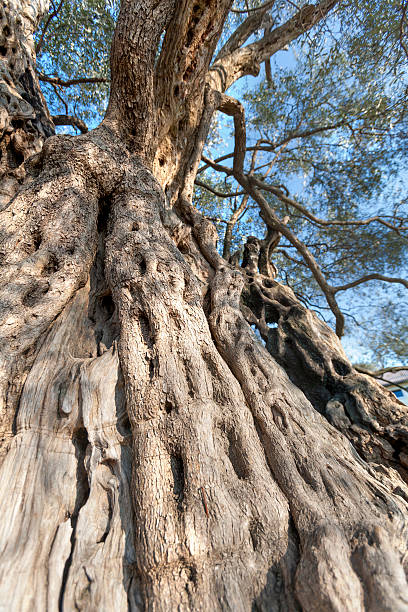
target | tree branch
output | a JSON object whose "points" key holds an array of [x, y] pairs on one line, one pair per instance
{"points": [[231, 224], [272, 221], [242, 61], [377, 373], [245, 29], [70, 120], [368, 277], [323, 222], [233, 108], [219, 194], [46, 26], [402, 32], [271, 147], [264, 7], [57, 81]]}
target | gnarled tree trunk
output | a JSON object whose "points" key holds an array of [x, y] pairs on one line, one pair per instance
{"points": [[155, 455]]}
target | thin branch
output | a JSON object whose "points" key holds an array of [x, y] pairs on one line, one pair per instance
{"points": [[212, 164], [233, 220], [45, 28], [293, 259], [215, 219], [323, 222], [368, 277], [377, 373], [271, 147], [402, 33], [219, 194], [61, 83], [60, 98]]}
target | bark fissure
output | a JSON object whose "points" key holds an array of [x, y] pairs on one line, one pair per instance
{"points": [[82, 498]]}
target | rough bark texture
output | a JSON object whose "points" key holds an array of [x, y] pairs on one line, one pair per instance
{"points": [[155, 454], [24, 118]]}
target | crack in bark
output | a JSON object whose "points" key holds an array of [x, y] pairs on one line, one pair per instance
{"points": [[82, 498]]}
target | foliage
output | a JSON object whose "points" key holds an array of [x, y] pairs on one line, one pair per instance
{"points": [[76, 44]]}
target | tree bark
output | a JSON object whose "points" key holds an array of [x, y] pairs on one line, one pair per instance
{"points": [[24, 119], [155, 454]]}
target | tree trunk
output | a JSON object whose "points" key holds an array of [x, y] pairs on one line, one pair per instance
{"points": [[155, 454]]}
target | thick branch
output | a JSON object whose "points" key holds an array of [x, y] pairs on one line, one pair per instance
{"points": [[247, 60], [70, 120], [245, 29], [130, 111], [233, 108]]}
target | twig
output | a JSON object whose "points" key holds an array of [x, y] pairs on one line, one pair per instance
{"points": [[61, 99]]}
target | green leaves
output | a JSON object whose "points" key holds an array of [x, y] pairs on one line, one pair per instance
{"points": [[76, 43]]}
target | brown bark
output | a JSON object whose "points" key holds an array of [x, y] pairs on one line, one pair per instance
{"points": [[155, 454]]}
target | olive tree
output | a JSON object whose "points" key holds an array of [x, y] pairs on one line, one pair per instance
{"points": [[155, 454]]}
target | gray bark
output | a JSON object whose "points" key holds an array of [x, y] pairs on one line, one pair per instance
{"points": [[24, 118], [155, 454]]}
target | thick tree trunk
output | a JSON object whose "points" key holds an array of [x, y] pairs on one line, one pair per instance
{"points": [[155, 454]]}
